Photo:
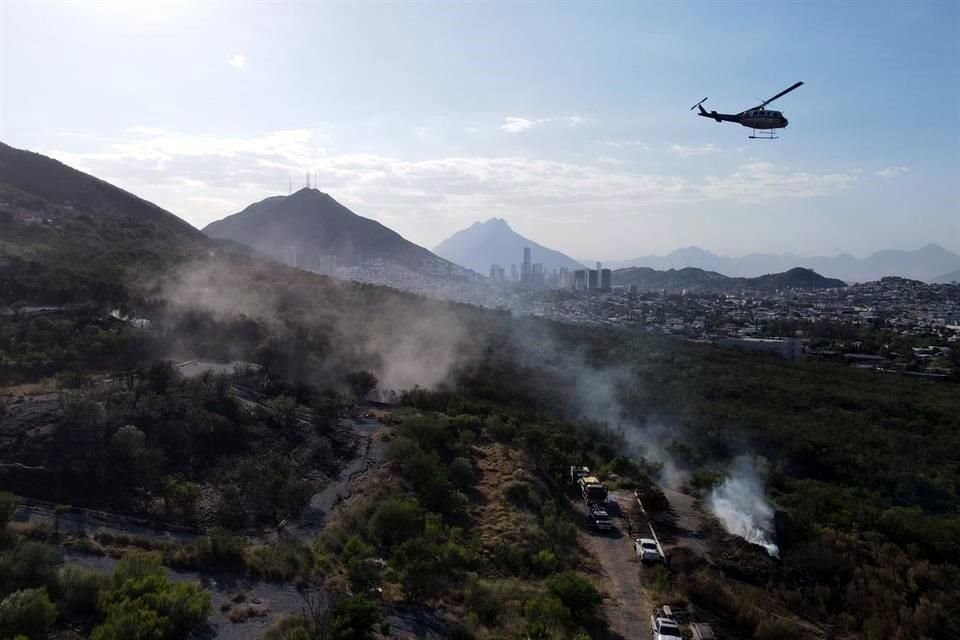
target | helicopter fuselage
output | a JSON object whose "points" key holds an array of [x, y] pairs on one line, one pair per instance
{"points": [[763, 119], [753, 119]]}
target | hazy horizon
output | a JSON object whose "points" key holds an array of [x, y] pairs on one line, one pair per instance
{"points": [[569, 120]]}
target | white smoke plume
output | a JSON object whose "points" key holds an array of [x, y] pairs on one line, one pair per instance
{"points": [[598, 398], [740, 503], [404, 340]]}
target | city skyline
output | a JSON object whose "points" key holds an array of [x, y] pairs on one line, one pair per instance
{"points": [[569, 120]]}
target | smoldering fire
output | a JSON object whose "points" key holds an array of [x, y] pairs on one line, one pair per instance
{"points": [[740, 503]]}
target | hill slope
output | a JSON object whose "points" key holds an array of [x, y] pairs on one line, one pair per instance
{"points": [[926, 263], [67, 237], [308, 227], [50, 182], [947, 278], [494, 242], [700, 280]]}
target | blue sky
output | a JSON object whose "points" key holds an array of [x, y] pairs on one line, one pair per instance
{"points": [[569, 120]]}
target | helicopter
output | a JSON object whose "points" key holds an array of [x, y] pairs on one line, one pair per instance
{"points": [[755, 118]]}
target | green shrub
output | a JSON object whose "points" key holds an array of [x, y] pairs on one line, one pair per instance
{"points": [[8, 504], [79, 591], [776, 630], [290, 628], [395, 520], [362, 568], [517, 492], [29, 565], [545, 562], [482, 601], [220, 549], [422, 570], [353, 619], [140, 603], [576, 593], [281, 561], [500, 429], [461, 473], [28, 612]]}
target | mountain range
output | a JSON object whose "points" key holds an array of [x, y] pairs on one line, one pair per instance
{"points": [[493, 242], [310, 229], [929, 263], [694, 279]]}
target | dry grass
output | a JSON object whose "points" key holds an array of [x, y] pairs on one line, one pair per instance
{"points": [[243, 614], [499, 520], [47, 385]]}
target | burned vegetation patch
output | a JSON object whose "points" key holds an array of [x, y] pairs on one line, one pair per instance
{"points": [[212, 449]]}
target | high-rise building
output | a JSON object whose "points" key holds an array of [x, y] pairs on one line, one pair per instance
{"points": [[580, 279], [526, 269], [605, 280], [592, 280], [514, 276], [496, 273]]}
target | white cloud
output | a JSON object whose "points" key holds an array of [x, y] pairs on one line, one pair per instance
{"points": [[513, 124], [516, 125], [204, 178], [762, 181], [620, 144], [891, 172], [685, 151], [238, 61]]}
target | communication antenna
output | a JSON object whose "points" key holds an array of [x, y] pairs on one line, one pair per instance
{"points": [[290, 187]]}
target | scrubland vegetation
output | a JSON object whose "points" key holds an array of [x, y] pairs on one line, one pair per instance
{"points": [[470, 514]]}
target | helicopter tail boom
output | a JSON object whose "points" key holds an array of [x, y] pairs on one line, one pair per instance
{"points": [[718, 117]]}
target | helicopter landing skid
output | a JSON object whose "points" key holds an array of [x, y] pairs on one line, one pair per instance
{"points": [[771, 134]]}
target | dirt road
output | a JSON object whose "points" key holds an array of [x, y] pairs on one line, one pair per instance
{"points": [[626, 606]]}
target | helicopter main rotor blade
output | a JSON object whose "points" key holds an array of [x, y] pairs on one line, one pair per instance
{"points": [[779, 95]]}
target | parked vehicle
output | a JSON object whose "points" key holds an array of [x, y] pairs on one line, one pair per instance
{"points": [[663, 625], [647, 550], [578, 472], [592, 490], [599, 518]]}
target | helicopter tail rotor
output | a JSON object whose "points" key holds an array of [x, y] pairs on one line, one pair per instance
{"points": [[698, 104]]}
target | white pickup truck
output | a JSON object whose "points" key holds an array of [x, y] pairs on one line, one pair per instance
{"points": [[647, 550], [663, 625]]}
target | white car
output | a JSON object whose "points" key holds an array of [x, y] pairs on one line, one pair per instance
{"points": [[647, 550], [666, 629]]}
